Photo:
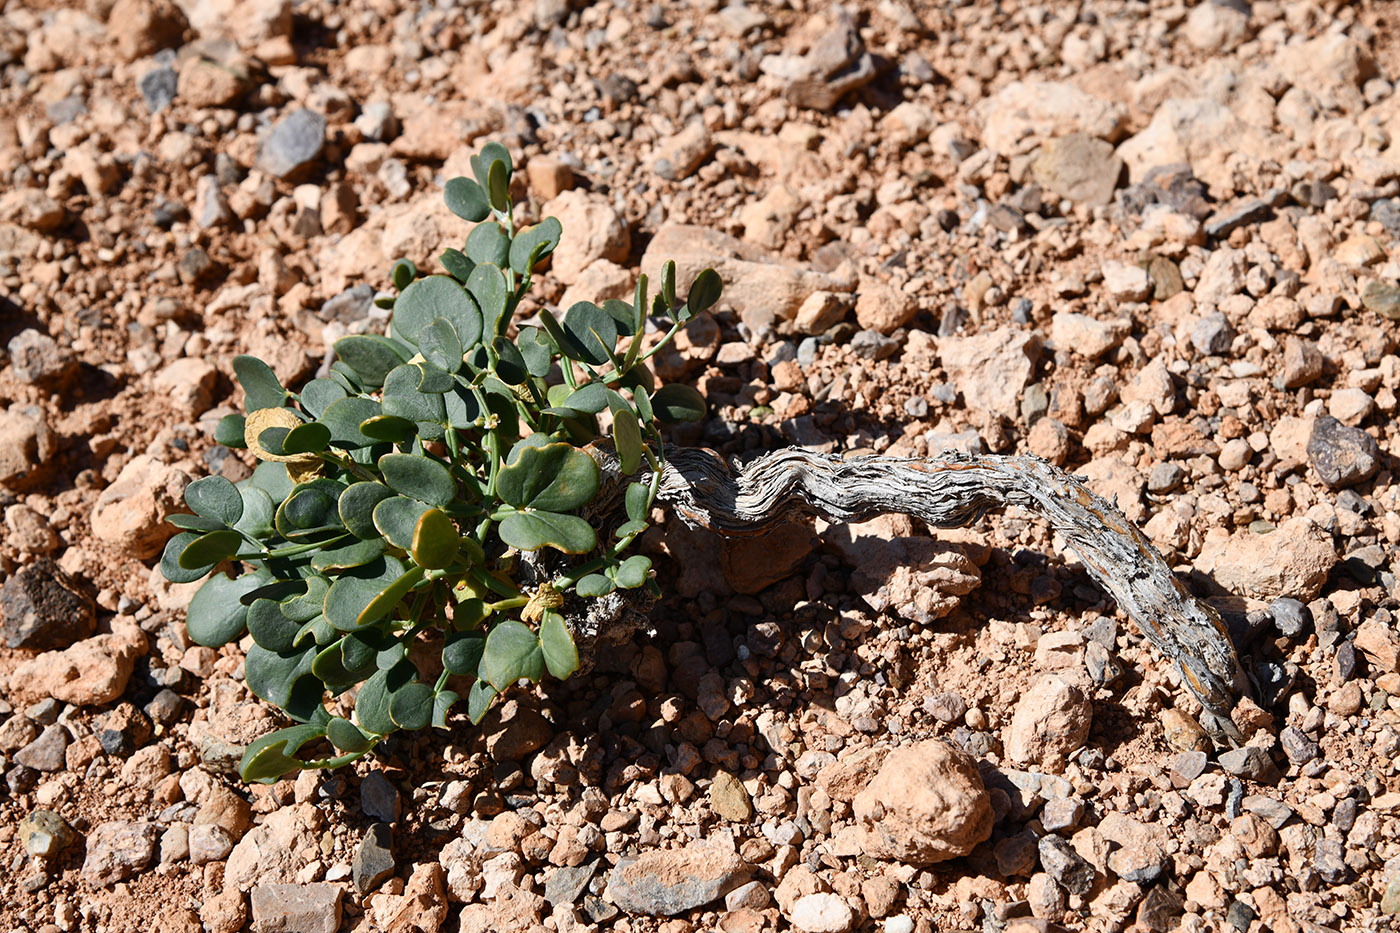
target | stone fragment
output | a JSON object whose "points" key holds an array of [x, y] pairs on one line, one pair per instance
{"points": [[37, 358], [32, 208], [205, 81], [918, 578], [884, 309], [1069, 869], [1086, 336], [131, 512], [293, 143], [1379, 642], [42, 608], [46, 753], [729, 798], [277, 850], [677, 157], [926, 804], [768, 220], [143, 27], [836, 64], [1216, 27], [1024, 113], [822, 913], [26, 446], [667, 882], [1250, 762], [1382, 298], [45, 834], [820, 312], [379, 799], [374, 858], [1301, 364], [1051, 723], [117, 851], [751, 896], [1079, 167], [549, 177], [208, 843], [565, 884], [1293, 560], [990, 369], [1342, 456], [592, 231], [514, 730], [90, 673], [296, 908], [188, 385]]}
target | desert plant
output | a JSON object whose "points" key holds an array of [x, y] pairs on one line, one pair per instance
{"points": [[408, 496], [449, 486]]}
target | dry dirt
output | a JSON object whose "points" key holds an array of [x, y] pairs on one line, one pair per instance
{"points": [[1156, 243]]}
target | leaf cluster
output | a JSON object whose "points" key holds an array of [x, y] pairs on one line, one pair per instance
{"points": [[394, 495]]}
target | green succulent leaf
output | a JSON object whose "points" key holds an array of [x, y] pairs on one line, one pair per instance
{"points": [[258, 511], [678, 402], [704, 292], [557, 644], [510, 365], [534, 243], [210, 548], [396, 518], [270, 757], [357, 553], [344, 418], [594, 585], [498, 186], [216, 615], [481, 164], [284, 679], [272, 479], [530, 531], [512, 652], [356, 507], [369, 356], [347, 736], [479, 699], [637, 497], [488, 244], [309, 438], [311, 508], [318, 394], [441, 346], [435, 540], [261, 387], [591, 398], [443, 701], [215, 497], [461, 653], [551, 478], [536, 350], [403, 399], [402, 273], [627, 434], [433, 297], [592, 330], [465, 198], [457, 264], [632, 572], [170, 560], [389, 428], [419, 477], [411, 706], [229, 431], [270, 627], [488, 285], [353, 602]]}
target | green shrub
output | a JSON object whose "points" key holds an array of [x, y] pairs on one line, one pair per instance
{"points": [[395, 497]]}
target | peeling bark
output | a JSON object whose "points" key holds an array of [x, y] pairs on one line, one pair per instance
{"points": [[957, 490]]}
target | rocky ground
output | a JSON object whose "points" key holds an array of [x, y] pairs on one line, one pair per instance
{"points": [[1156, 243]]}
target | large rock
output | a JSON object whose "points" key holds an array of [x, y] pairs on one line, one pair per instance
{"points": [[131, 512], [927, 804], [1022, 114], [42, 609], [143, 27], [117, 851], [1201, 132], [293, 143], [296, 908], [991, 369], [90, 673], [1080, 167], [1342, 456], [764, 290], [26, 444], [1293, 560], [276, 851], [1051, 723], [592, 231], [918, 578], [667, 882]]}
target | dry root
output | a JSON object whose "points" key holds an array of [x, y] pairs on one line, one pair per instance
{"points": [[955, 491]]}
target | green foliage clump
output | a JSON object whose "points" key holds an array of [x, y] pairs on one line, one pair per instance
{"points": [[394, 496]]}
